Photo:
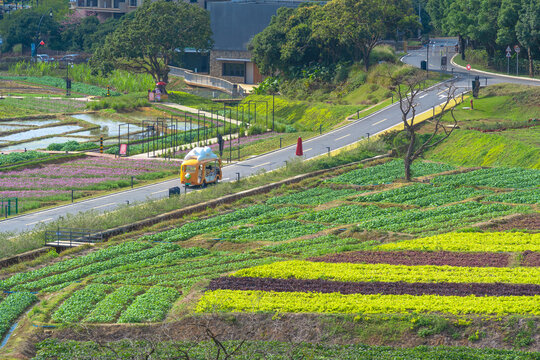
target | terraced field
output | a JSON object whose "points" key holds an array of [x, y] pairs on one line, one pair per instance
{"points": [[371, 282], [351, 244]]}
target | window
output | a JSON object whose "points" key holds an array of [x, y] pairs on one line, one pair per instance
{"points": [[232, 69], [132, 2], [189, 169]]}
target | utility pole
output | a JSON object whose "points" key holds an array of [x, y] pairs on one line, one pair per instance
{"points": [[273, 94], [427, 61], [419, 20]]}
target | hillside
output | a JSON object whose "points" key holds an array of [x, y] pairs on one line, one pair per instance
{"points": [[502, 130], [444, 267], [355, 249]]}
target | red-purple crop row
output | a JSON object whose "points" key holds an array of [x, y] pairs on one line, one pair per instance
{"points": [[531, 258], [413, 258], [367, 288]]}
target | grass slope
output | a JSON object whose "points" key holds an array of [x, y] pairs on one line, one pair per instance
{"points": [[507, 110], [473, 148]]}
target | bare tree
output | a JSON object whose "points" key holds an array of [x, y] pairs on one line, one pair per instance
{"points": [[146, 345], [407, 87]]}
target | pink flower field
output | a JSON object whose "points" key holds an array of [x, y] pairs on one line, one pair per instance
{"points": [[51, 183]]}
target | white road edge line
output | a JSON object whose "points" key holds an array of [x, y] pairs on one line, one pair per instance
{"points": [[121, 193], [308, 149], [157, 192], [343, 137]]}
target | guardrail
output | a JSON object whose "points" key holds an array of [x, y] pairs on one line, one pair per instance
{"points": [[69, 237], [207, 81]]}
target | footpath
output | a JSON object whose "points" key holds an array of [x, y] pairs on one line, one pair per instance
{"points": [[158, 153], [172, 149], [201, 112], [492, 73]]}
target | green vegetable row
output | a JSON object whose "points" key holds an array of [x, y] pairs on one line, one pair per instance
{"points": [[12, 307], [81, 303], [151, 306], [388, 172], [494, 177]]}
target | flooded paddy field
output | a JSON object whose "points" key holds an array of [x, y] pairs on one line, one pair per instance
{"points": [[34, 134]]}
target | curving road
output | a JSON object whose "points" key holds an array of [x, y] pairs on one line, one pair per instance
{"points": [[373, 124]]}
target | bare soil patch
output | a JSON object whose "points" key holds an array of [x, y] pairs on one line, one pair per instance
{"points": [[530, 222], [413, 258]]}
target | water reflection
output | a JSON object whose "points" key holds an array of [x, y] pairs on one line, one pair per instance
{"points": [[34, 133], [43, 143]]}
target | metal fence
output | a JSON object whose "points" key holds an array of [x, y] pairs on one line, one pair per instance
{"points": [[9, 206], [207, 81], [72, 237]]}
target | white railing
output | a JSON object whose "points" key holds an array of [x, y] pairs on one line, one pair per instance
{"points": [[207, 81]]}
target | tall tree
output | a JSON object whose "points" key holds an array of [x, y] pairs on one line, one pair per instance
{"points": [[147, 42], [407, 85], [460, 19], [437, 10], [266, 46], [365, 22], [300, 48], [28, 26], [506, 22], [287, 42], [528, 29], [487, 25]]}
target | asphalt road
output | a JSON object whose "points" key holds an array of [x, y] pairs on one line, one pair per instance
{"points": [[346, 135]]}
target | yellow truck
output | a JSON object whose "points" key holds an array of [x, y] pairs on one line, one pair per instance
{"points": [[200, 168]]}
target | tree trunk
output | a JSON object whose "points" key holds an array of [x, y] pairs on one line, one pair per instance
{"points": [[408, 156], [531, 69], [366, 59], [462, 46], [407, 168]]}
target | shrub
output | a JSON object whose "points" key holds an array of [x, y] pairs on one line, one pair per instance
{"points": [[383, 53], [290, 129], [121, 103], [478, 57], [71, 146], [256, 130]]}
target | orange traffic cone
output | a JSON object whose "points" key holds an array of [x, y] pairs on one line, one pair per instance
{"points": [[299, 151]]}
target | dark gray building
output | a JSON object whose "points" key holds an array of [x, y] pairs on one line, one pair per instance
{"points": [[234, 24]]}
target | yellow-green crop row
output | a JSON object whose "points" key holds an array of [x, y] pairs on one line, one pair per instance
{"points": [[385, 272], [492, 242], [301, 302]]}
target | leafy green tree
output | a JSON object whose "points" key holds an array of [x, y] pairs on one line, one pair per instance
{"points": [[437, 10], [76, 36], [21, 27], [287, 43], [486, 32], [326, 33], [506, 22], [528, 29], [88, 33], [300, 47], [266, 46], [147, 42], [460, 21], [364, 23]]}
